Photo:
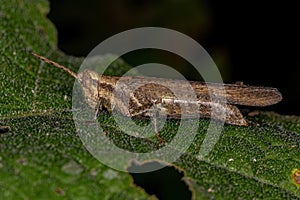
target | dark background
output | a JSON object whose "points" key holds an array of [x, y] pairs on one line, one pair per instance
{"points": [[251, 41]]}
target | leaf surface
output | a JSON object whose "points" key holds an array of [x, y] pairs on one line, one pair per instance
{"points": [[42, 157]]}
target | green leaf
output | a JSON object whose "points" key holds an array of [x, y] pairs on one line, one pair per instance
{"points": [[42, 157], [254, 162]]}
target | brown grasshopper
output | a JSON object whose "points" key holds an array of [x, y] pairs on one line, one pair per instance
{"points": [[99, 89]]}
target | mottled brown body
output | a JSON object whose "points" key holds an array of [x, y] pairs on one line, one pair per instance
{"points": [[153, 92], [154, 97]]}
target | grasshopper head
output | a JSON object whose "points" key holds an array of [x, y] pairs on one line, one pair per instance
{"points": [[89, 81]]}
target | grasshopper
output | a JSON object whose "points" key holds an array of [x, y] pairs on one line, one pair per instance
{"points": [[152, 95]]}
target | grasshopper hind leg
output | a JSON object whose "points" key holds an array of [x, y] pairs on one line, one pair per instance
{"points": [[98, 106], [155, 112], [97, 109]]}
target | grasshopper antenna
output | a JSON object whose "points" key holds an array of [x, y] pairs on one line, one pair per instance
{"points": [[55, 64]]}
